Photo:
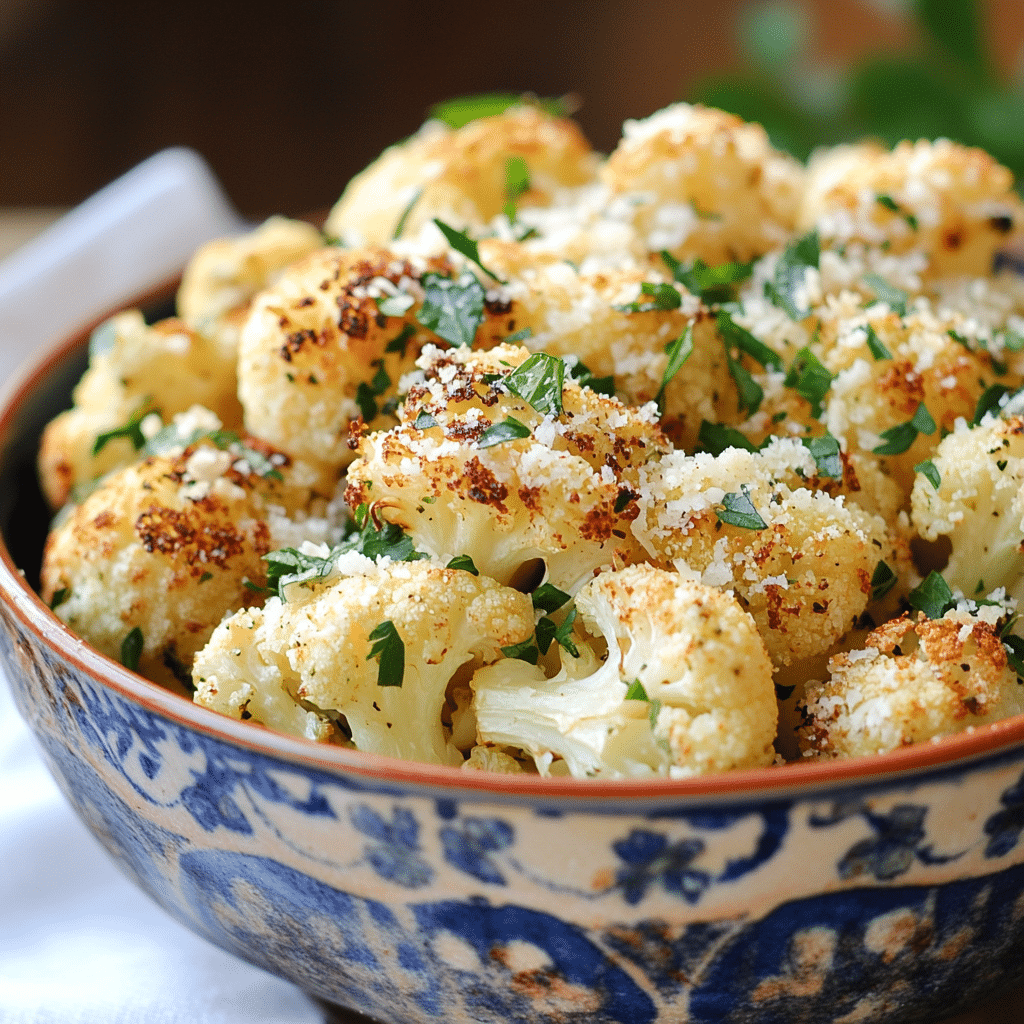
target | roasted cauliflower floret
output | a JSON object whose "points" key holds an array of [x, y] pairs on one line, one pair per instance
{"points": [[685, 686], [953, 205], [500, 456], [705, 184], [461, 175], [134, 370], [224, 275], [978, 504], [323, 346], [164, 548], [914, 679], [801, 561], [320, 651]]}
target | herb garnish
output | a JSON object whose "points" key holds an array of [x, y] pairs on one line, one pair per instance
{"points": [[368, 393], [892, 296], [461, 110], [452, 309], [883, 579], [678, 352], [826, 454], [933, 597], [400, 343], [790, 271], [716, 437], [131, 649], [875, 346], [389, 649], [583, 376], [809, 378], [930, 472], [462, 243], [548, 598], [465, 563], [547, 631], [738, 510], [509, 429], [132, 430], [712, 285], [898, 439], [539, 380]]}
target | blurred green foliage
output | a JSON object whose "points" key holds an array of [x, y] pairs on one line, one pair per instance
{"points": [[945, 85]]}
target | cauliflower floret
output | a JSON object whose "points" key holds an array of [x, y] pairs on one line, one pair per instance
{"points": [[801, 561], [134, 370], [953, 205], [317, 352], [319, 649], [165, 547], [912, 681], [474, 469], [703, 183], [592, 318], [226, 273], [698, 680], [460, 176], [978, 505]]}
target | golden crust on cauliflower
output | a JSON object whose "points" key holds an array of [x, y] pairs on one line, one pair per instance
{"points": [[473, 468], [952, 204], [165, 546], [316, 649], [705, 184], [912, 681], [134, 369], [460, 175]]}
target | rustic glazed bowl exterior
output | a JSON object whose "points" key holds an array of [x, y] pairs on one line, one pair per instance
{"points": [[889, 888]]}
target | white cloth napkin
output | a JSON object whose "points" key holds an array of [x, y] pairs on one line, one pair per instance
{"points": [[79, 944]]}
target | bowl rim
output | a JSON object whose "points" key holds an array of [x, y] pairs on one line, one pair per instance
{"points": [[949, 752]]}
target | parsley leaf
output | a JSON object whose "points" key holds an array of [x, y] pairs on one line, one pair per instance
{"points": [[933, 597], [990, 401], [1014, 647], [580, 373], [663, 298], [636, 691], [809, 378], [517, 183], [749, 391], [741, 338], [288, 565], [368, 393], [883, 579], [548, 631], [400, 342], [526, 651], [461, 110], [738, 510], [716, 437], [59, 597], [510, 429], [826, 454], [790, 271], [549, 598], [131, 649], [890, 204], [892, 296], [678, 352], [539, 380], [898, 439], [875, 346], [424, 421], [465, 563], [132, 430], [931, 473], [170, 437], [713, 285], [389, 649], [462, 243], [452, 309], [404, 215]]}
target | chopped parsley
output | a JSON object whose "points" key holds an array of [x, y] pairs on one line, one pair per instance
{"points": [[288, 565], [990, 401], [712, 285], [890, 204], [1014, 647], [892, 296], [368, 393], [526, 651], [875, 346], [738, 510], [171, 437], [517, 184], [883, 579], [131, 431], [464, 563], [452, 309], [898, 439], [539, 380], [716, 437], [749, 392], [509, 429], [59, 597], [739, 337], [933, 597], [661, 299], [462, 243], [461, 110], [790, 272], [678, 352], [826, 454], [548, 631], [424, 421], [583, 376], [930, 473], [809, 378], [131, 649], [636, 691], [548, 598], [389, 650]]}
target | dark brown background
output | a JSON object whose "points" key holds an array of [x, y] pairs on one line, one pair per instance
{"points": [[288, 100]]}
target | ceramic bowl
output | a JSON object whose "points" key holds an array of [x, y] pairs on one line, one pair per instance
{"points": [[875, 889]]}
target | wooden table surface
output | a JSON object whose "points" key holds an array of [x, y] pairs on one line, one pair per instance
{"points": [[19, 225]]}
